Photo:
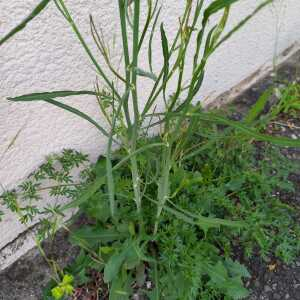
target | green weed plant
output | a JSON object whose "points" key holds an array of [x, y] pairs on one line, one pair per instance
{"points": [[171, 209]]}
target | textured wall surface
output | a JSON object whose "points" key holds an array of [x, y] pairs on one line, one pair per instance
{"points": [[46, 56]]}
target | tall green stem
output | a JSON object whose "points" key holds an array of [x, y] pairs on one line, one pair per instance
{"points": [[135, 130], [122, 12], [135, 53]]}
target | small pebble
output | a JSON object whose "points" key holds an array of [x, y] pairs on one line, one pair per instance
{"points": [[276, 297], [148, 285], [267, 289], [257, 284], [266, 277], [287, 296]]}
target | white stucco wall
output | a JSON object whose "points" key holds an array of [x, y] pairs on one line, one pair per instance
{"points": [[46, 56]]}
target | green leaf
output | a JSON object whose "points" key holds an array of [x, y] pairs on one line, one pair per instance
{"points": [[50, 95], [114, 265], [140, 274], [295, 106], [38, 9], [143, 73], [214, 7], [86, 194], [242, 23], [57, 293], [259, 106], [207, 223], [101, 178], [165, 48], [68, 289], [68, 279], [94, 235], [67, 108], [154, 294], [261, 238], [120, 288], [236, 269], [217, 273], [235, 289], [97, 207], [280, 141], [132, 259], [230, 286], [204, 222]]}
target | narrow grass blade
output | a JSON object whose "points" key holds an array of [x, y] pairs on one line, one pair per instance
{"points": [[38, 9]]}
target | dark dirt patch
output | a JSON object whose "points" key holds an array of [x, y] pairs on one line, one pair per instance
{"points": [[95, 290], [275, 280], [25, 279]]}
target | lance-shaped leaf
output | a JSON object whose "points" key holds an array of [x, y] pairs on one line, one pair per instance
{"points": [[94, 235], [214, 7], [142, 73], [165, 48], [259, 106], [46, 97], [50, 95], [243, 22]]}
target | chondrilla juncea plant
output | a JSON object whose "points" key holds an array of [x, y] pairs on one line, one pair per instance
{"points": [[119, 99]]}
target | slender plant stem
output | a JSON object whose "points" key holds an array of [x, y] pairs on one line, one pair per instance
{"points": [[122, 13], [85, 46], [134, 132]]}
